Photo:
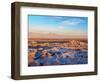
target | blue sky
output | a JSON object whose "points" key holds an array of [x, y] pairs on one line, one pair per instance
{"points": [[58, 24]]}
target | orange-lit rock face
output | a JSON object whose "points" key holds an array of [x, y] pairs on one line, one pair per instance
{"points": [[77, 44], [31, 55]]}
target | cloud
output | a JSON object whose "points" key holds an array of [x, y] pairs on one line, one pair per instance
{"points": [[60, 27], [70, 22], [73, 21], [58, 17]]}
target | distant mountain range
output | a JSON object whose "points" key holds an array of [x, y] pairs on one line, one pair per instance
{"points": [[54, 35]]}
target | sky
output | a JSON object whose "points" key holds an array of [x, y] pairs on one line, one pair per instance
{"points": [[57, 26]]}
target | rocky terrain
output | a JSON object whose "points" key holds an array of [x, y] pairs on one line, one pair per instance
{"points": [[57, 53]]}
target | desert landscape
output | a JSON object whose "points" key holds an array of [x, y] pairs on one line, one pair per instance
{"points": [[57, 40]]}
